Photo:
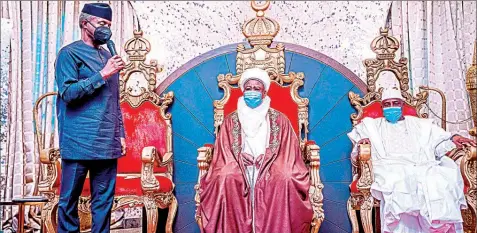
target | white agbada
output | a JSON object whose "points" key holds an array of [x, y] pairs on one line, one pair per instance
{"points": [[420, 189]]}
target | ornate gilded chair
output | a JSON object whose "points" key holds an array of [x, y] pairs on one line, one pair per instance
{"points": [[285, 98], [361, 199], [145, 173]]}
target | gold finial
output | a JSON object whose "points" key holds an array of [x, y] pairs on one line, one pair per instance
{"points": [[385, 46], [260, 8], [260, 30], [137, 48]]}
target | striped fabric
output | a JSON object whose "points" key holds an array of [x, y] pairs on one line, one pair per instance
{"points": [[438, 39]]}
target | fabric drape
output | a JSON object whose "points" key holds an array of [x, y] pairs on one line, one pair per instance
{"points": [[437, 38]]}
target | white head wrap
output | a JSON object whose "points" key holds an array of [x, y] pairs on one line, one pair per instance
{"points": [[255, 73], [391, 93]]}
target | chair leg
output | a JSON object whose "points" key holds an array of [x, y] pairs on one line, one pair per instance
{"points": [[151, 214], [48, 215], [366, 214], [377, 219], [471, 211], [171, 215], [353, 217]]}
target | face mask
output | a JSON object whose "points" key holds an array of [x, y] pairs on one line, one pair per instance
{"points": [[101, 34], [252, 98], [392, 114]]}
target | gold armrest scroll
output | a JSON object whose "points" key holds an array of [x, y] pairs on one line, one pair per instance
{"points": [[149, 183], [49, 155], [203, 161], [365, 166], [312, 155]]}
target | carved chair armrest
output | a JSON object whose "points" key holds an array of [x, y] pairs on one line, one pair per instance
{"points": [[365, 168], [312, 155], [470, 152], [48, 157], [149, 156], [468, 162], [203, 161]]}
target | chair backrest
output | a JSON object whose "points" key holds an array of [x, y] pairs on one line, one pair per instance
{"points": [[385, 47], [283, 91], [145, 117], [46, 139]]}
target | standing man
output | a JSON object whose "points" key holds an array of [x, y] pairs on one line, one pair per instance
{"points": [[91, 132]]}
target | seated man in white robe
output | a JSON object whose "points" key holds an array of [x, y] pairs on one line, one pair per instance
{"points": [[419, 188]]}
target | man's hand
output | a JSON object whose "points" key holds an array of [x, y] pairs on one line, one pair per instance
{"points": [[459, 141], [123, 146], [114, 65]]}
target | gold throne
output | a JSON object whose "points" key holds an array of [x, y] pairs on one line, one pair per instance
{"points": [[283, 91], [361, 199], [145, 172]]}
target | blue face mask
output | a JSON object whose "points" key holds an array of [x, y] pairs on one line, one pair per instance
{"points": [[392, 114], [252, 98]]}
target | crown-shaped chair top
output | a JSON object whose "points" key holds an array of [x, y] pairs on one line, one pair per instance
{"points": [[385, 46], [260, 30]]}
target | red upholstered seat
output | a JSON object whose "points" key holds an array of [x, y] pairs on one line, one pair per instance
{"points": [[354, 186], [144, 126], [281, 101]]}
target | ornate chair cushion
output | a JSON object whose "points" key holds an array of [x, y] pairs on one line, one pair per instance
{"points": [[281, 101], [144, 126]]}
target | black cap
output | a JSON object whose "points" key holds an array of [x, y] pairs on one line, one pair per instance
{"points": [[101, 10]]}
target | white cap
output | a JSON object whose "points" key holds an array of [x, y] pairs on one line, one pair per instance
{"points": [[255, 73], [391, 93]]}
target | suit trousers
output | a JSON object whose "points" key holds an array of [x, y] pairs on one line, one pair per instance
{"points": [[102, 175]]}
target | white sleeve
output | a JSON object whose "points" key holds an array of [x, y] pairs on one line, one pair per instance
{"points": [[443, 148], [441, 142], [354, 136]]}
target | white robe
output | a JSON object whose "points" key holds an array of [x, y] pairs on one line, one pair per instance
{"points": [[255, 124], [420, 189]]}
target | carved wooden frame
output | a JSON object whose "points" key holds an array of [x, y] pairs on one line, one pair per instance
{"points": [[385, 46], [272, 60], [136, 48]]}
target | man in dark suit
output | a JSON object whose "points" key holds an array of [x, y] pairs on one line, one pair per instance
{"points": [[91, 132]]}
